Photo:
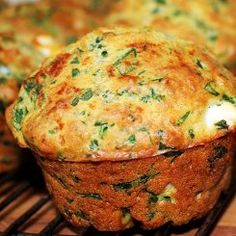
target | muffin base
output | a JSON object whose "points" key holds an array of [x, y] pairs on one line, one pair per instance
{"points": [[113, 196]]}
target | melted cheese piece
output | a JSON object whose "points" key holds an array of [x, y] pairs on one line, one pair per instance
{"points": [[221, 111]]}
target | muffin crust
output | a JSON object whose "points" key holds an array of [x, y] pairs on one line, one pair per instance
{"points": [[124, 94]]}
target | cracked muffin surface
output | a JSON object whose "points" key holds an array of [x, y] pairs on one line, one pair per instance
{"points": [[209, 22], [124, 94]]}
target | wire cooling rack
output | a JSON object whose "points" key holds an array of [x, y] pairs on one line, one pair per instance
{"points": [[29, 179]]}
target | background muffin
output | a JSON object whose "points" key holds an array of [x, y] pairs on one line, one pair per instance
{"points": [[64, 21], [9, 151], [210, 22], [124, 127]]}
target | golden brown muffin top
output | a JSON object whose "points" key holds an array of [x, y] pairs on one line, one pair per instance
{"points": [[122, 94], [210, 22]]}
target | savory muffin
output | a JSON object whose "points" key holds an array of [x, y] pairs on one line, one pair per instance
{"points": [[210, 22], [130, 125]]}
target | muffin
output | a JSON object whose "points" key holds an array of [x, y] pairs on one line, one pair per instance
{"points": [[9, 151], [130, 125], [64, 21], [209, 22]]}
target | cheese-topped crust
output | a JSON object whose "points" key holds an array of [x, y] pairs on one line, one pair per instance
{"points": [[210, 22], [122, 94]]}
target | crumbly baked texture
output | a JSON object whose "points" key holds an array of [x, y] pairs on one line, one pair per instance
{"points": [[210, 22], [9, 151], [152, 191], [130, 125], [124, 94]]}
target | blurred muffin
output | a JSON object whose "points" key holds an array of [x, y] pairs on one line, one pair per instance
{"points": [[9, 151], [17, 61], [64, 21], [210, 22], [130, 125]]}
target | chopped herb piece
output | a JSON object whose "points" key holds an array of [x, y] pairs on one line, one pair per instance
{"points": [[222, 124], [75, 60], [32, 87], [200, 64], [132, 140], [87, 95], [99, 39], [219, 152], [90, 195], [130, 51], [191, 133], [183, 118], [153, 198], [151, 215], [94, 146], [209, 88], [75, 72], [141, 72], [84, 97], [161, 1], [159, 79], [75, 101], [52, 131], [75, 178], [229, 99], [81, 214], [174, 153], [18, 116], [132, 184], [62, 182], [104, 54], [103, 127]]}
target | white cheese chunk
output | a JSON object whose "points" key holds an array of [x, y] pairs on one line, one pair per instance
{"points": [[218, 112]]}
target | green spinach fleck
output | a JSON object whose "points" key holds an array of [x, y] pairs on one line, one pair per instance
{"points": [[18, 115], [222, 124], [210, 89], [191, 133], [132, 140], [229, 99], [75, 72], [183, 118], [94, 145]]}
